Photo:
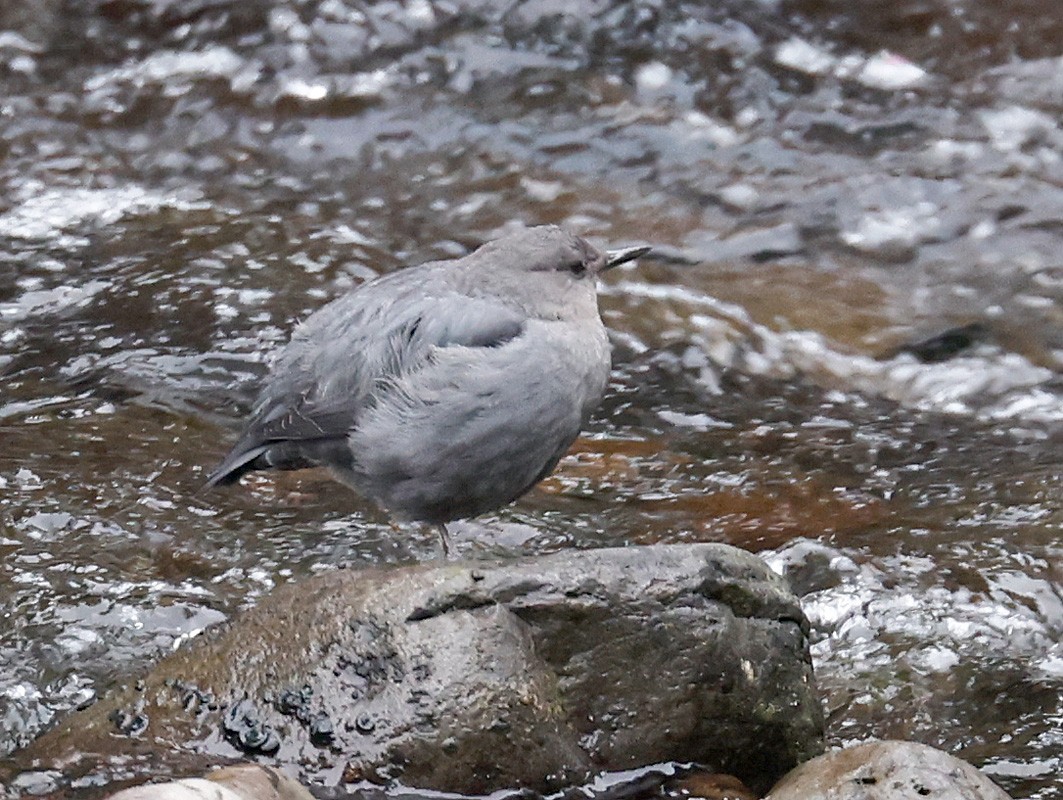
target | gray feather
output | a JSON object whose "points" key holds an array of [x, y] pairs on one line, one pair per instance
{"points": [[342, 356]]}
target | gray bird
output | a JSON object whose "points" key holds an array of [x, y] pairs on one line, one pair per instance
{"points": [[446, 390]]}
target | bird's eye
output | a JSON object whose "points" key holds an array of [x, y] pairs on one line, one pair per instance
{"points": [[577, 268]]}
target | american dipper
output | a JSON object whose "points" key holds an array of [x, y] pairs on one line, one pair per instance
{"points": [[445, 390]]}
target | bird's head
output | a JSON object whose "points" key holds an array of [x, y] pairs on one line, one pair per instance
{"points": [[548, 248], [546, 271]]}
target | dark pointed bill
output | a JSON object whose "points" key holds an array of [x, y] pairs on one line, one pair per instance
{"points": [[614, 258]]}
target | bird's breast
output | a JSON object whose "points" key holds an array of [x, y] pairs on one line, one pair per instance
{"points": [[479, 426]]}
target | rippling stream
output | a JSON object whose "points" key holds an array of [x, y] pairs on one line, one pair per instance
{"points": [[845, 353]]}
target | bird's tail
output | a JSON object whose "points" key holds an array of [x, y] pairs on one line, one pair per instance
{"points": [[280, 455], [234, 466]]}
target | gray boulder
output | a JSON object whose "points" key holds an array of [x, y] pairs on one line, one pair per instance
{"points": [[470, 677], [889, 770]]}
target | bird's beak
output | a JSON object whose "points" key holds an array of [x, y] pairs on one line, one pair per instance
{"points": [[614, 258]]}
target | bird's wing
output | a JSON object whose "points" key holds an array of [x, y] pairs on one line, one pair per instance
{"points": [[341, 357]]}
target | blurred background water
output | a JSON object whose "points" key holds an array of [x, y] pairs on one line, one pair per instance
{"points": [[846, 353]]}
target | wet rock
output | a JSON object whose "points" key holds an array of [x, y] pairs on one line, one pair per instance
{"points": [[240, 782], [130, 724], [945, 345], [188, 789], [470, 678], [246, 731], [811, 566], [36, 782], [890, 770], [256, 782], [710, 786]]}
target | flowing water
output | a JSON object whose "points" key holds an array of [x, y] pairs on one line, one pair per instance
{"points": [[845, 353]]}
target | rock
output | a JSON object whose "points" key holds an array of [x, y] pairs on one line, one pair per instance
{"points": [[239, 782], [890, 770], [945, 345], [188, 789], [810, 566], [470, 677], [709, 786]]}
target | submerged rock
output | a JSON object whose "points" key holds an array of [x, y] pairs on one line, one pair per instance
{"points": [[947, 344], [473, 677], [890, 770]]}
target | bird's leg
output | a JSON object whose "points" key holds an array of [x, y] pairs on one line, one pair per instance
{"points": [[444, 539]]}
